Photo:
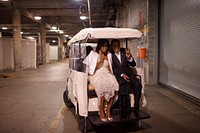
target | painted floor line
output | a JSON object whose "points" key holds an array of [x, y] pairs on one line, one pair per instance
{"points": [[56, 120]]}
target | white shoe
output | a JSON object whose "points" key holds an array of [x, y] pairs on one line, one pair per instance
{"points": [[110, 118], [104, 120]]}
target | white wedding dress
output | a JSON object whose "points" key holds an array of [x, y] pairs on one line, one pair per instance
{"points": [[104, 82]]}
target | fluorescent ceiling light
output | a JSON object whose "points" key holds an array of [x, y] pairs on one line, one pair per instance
{"points": [[30, 37], [4, 28], [54, 28], [61, 32], [21, 32], [66, 35], [37, 18], [83, 17], [54, 41], [4, 0]]}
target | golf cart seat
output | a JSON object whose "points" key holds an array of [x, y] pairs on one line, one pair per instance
{"points": [[91, 91]]}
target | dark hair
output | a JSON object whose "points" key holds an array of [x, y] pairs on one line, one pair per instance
{"points": [[102, 43], [115, 43], [88, 50]]}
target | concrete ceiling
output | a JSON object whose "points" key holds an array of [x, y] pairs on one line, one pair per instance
{"points": [[62, 13]]}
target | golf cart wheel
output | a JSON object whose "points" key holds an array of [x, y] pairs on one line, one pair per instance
{"points": [[66, 99], [85, 125]]}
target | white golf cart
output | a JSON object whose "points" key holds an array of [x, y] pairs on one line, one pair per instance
{"points": [[79, 94]]}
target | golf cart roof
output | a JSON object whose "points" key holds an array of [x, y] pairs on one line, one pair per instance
{"points": [[106, 33]]}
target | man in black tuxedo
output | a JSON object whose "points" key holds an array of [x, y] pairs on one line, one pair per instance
{"points": [[121, 62]]}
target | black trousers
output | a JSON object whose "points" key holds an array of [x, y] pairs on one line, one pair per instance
{"points": [[136, 89], [133, 87], [124, 106]]}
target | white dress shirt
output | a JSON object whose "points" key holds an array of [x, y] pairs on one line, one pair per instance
{"points": [[119, 56]]}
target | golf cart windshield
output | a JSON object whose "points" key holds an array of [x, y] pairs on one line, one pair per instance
{"points": [[77, 55]]}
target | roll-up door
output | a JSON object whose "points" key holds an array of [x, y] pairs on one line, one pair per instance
{"points": [[179, 46]]}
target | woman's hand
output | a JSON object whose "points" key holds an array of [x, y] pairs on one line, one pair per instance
{"points": [[105, 57], [102, 56], [100, 62]]}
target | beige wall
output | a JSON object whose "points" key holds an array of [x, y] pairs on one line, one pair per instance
{"points": [[7, 55]]}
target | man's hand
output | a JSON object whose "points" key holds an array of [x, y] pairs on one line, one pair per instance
{"points": [[128, 54], [125, 77]]}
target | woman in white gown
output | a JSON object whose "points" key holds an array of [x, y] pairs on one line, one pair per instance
{"points": [[103, 80]]}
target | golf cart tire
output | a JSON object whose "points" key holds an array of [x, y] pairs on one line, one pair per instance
{"points": [[66, 99], [85, 125]]}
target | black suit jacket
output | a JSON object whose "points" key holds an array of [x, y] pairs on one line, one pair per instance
{"points": [[134, 86], [122, 67]]}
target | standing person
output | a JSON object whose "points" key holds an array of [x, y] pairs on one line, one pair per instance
{"points": [[121, 62], [101, 78]]}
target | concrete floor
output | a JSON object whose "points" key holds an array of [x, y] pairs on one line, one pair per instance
{"points": [[32, 102]]}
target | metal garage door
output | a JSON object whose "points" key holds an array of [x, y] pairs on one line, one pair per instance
{"points": [[179, 60]]}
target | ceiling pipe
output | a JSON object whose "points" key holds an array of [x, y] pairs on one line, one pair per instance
{"points": [[13, 4], [29, 15], [89, 13], [110, 23], [39, 38], [59, 45]]}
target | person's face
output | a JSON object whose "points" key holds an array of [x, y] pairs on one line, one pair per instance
{"points": [[116, 49], [104, 49]]}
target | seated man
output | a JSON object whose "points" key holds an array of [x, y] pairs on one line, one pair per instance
{"points": [[121, 62]]}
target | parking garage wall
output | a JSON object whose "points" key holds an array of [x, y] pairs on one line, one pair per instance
{"points": [[142, 15]]}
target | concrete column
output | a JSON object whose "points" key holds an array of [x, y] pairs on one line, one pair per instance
{"points": [[43, 42], [1, 55], [60, 52], [17, 40], [152, 40]]}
